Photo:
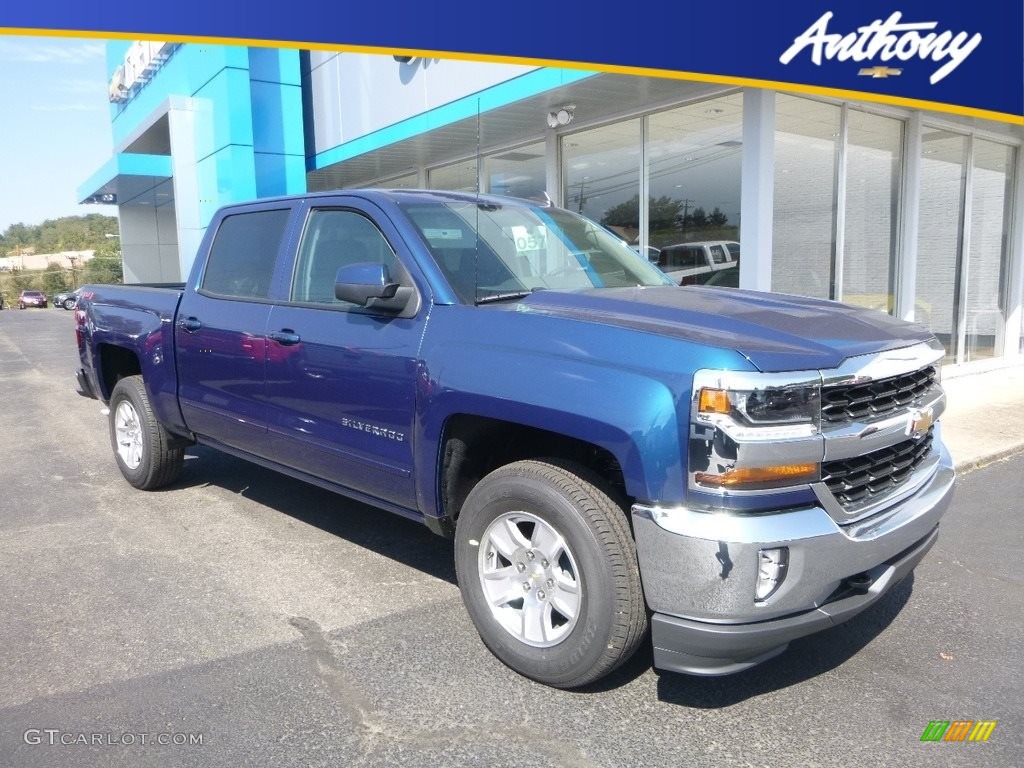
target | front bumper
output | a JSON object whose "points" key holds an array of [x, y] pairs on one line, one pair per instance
{"points": [[699, 572]]}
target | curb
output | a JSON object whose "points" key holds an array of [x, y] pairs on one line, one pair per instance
{"points": [[963, 467]]}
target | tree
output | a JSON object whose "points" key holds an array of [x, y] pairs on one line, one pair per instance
{"points": [[625, 214], [698, 218], [104, 270], [717, 218], [662, 213], [55, 279], [68, 233]]}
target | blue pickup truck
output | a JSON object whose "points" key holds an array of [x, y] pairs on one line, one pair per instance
{"points": [[614, 455]]}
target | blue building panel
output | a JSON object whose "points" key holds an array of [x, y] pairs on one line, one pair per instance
{"points": [[119, 169], [226, 176], [279, 174], [275, 65], [277, 118], [226, 106]]}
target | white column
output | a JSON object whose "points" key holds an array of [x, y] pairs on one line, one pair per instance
{"points": [[1015, 278], [552, 169], [758, 188], [182, 128], [910, 206]]}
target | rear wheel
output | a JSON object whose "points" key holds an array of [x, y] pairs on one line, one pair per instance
{"points": [[69, 304], [145, 452], [548, 572]]}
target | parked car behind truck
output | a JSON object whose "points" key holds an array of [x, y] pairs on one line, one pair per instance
{"points": [[28, 299], [696, 263], [612, 454]]}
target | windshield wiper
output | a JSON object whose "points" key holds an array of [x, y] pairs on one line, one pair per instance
{"points": [[502, 297]]}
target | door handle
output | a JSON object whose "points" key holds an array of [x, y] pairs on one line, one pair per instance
{"points": [[285, 337], [189, 324]]}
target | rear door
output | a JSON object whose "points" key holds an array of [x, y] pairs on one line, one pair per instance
{"points": [[341, 379], [222, 326]]}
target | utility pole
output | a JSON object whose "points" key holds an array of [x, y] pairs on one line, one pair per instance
{"points": [[687, 202], [74, 279]]}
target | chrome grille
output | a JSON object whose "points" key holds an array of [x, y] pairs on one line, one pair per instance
{"points": [[860, 478], [881, 397]]}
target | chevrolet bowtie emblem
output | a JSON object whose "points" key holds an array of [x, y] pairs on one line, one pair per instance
{"points": [[920, 422], [880, 72]]}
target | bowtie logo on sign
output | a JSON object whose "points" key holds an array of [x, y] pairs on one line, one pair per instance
{"points": [[884, 41]]}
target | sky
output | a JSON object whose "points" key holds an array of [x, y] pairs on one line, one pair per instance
{"points": [[54, 126]]}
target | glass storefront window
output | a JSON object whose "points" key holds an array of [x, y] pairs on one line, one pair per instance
{"points": [[693, 172], [406, 181], [518, 173], [940, 232], [991, 193], [457, 177], [873, 152], [601, 176], [806, 152]]}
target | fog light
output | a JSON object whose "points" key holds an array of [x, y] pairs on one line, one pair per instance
{"points": [[771, 571]]}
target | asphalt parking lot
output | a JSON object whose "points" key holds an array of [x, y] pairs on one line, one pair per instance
{"points": [[281, 625]]}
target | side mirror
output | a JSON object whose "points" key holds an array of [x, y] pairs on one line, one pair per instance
{"points": [[360, 283]]}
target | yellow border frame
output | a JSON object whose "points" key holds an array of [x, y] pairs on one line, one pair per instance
{"points": [[816, 90]]}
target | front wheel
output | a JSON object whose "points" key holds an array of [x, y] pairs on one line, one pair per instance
{"points": [[145, 452], [69, 304], [548, 572]]}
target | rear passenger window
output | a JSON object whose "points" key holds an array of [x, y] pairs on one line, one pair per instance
{"points": [[244, 251], [334, 239], [683, 256]]}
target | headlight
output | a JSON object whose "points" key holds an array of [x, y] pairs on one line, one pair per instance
{"points": [[753, 432], [772, 405]]}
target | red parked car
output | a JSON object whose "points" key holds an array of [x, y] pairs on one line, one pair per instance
{"points": [[32, 299]]}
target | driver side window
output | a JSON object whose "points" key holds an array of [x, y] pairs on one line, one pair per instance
{"points": [[334, 239]]}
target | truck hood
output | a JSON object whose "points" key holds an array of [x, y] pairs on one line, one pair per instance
{"points": [[775, 332]]}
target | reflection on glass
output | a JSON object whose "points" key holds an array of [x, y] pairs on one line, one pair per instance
{"points": [[873, 160], [406, 181], [518, 173], [601, 176], [806, 150], [693, 172], [457, 177], [500, 252], [991, 186], [940, 228]]}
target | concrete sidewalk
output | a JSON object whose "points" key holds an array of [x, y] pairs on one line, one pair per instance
{"points": [[984, 419]]}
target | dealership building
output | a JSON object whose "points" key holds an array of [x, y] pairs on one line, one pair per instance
{"points": [[913, 212]]}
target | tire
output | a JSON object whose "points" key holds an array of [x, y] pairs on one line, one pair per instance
{"points": [[573, 611], [144, 451], [68, 304]]}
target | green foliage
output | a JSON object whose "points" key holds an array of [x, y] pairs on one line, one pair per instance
{"points": [[68, 233], [661, 211], [56, 280], [103, 269]]}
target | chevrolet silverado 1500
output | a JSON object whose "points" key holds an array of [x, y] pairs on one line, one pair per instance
{"points": [[613, 454]]}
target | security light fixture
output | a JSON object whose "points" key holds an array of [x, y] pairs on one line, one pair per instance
{"points": [[558, 118]]}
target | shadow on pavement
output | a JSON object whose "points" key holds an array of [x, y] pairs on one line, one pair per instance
{"points": [[411, 544], [805, 658], [387, 534]]}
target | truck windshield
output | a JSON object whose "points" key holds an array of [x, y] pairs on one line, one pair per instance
{"points": [[492, 251]]}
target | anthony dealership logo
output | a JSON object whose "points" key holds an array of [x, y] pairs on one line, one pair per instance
{"points": [[958, 730], [883, 41]]}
